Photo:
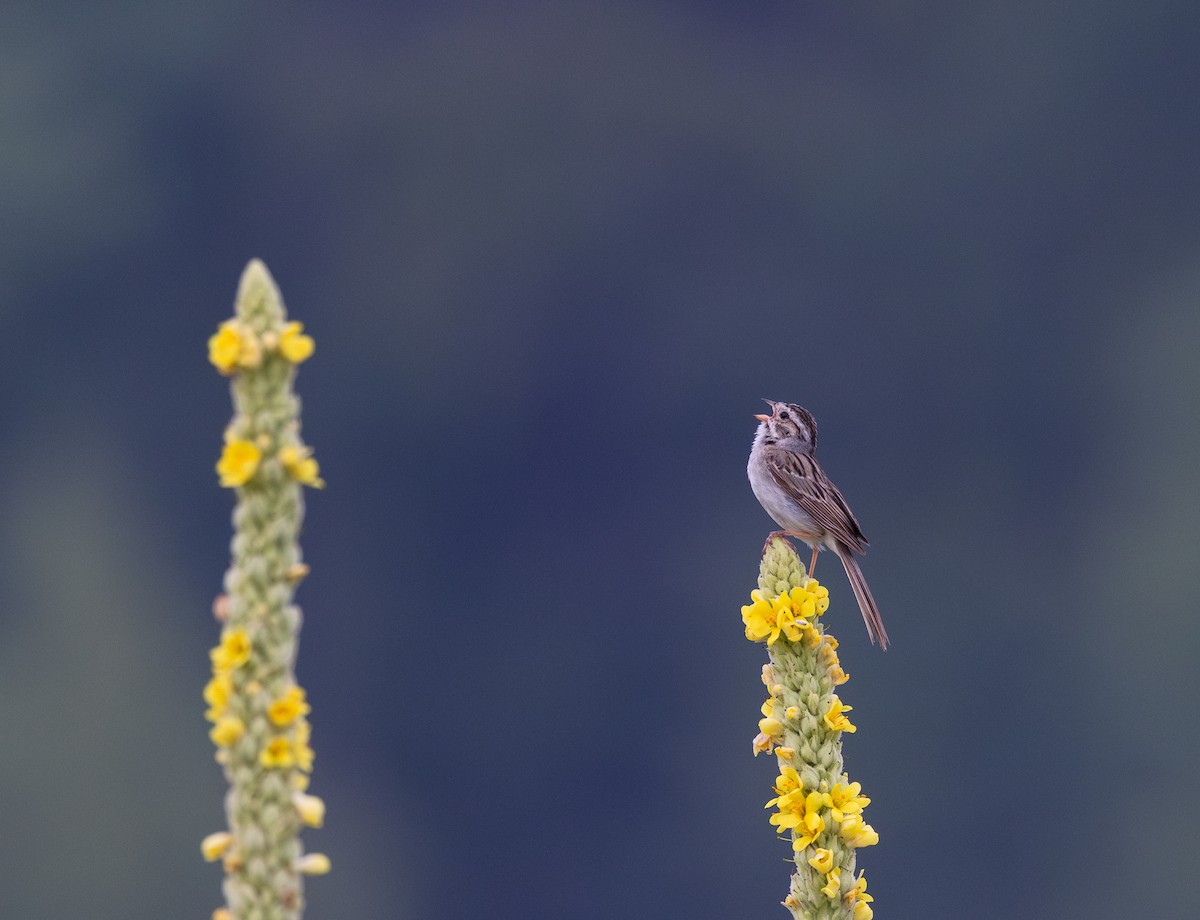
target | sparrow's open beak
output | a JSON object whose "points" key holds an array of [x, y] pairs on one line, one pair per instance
{"points": [[766, 418]]}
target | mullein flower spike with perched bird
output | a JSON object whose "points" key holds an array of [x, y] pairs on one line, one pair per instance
{"points": [[794, 490], [258, 710], [803, 722]]}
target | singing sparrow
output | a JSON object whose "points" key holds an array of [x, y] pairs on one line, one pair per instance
{"points": [[794, 490]]}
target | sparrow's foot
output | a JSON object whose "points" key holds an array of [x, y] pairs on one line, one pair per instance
{"points": [[786, 534], [777, 533]]}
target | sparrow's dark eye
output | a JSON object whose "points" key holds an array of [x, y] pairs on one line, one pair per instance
{"points": [[783, 416]]}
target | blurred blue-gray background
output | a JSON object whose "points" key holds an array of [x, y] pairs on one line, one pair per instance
{"points": [[552, 255]]}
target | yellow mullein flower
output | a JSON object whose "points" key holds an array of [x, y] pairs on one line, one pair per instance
{"points": [[786, 782], [769, 707], [827, 653], [314, 864], [856, 833], [224, 348], [294, 345], [790, 810], [836, 720], [785, 753], [766, 619], [762, 744], [289, 707], [227, 731], [859, 898], [801, 814], [310, 808], [213, 846], [232, 347], [794, 611], [822, 861], [812, 825], [758, 617], [819, 594], [233, 652], [216, 694], [792, 627], [812, 638], [277, 753], [238, 463], [770, 728], [846, 800], [301, 466], [834, 884], [860, 890], [837, 676], [801, 602]]}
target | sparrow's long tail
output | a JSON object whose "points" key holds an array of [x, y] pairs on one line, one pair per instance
{"points": [[866, 603]]}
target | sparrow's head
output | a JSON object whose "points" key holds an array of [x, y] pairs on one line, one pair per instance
{"points": [[789, 425]]}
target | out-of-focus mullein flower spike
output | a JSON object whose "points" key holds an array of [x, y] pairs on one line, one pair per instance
{"points": [[257, 708], [803, 723]]}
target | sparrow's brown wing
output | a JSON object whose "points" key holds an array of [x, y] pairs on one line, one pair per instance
{"points": [[801, 477]]}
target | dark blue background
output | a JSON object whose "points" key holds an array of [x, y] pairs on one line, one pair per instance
{"points": [[552, 255]]}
